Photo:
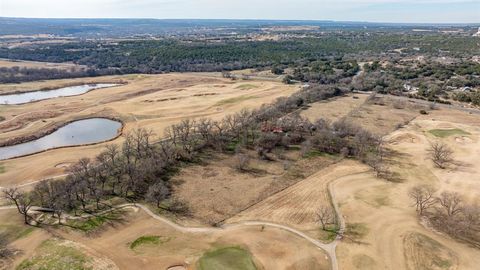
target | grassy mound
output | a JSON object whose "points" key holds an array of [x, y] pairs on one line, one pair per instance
{"points": [[229, 258], [94, 223], [149, 240], [247, 87], [233, 100], [14, 232], [56, 255], [443, 133]]}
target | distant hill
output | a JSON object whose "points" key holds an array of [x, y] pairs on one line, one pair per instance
{"points": [[91, 28]]}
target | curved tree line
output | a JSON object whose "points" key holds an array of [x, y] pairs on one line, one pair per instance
{"points": [[140, 169]]}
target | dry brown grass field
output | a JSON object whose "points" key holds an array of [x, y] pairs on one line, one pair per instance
{"points": [[111, 248], [148, 101], [382, 228], [387, 230], [216, 190], [33, 64]]}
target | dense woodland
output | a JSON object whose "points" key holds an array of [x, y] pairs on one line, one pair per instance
{"points": [[154, 56], [327, 58], [17, 74]]}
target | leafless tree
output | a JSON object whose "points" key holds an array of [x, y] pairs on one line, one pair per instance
{"points": [[266, 143], [451, 203], [185, 136], [142, 143], [325, 216], [157, 193], [22, 201], [205, 129], [440, 154], [423, 197]]}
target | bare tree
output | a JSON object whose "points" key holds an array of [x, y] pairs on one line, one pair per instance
{"points": [[423, 197], [325, 216], [22, 201], [157, 193], [440, 154], [451, 202]]}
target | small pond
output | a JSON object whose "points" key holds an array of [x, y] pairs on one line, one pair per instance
{"points": [[87, 131], [22, 98]]}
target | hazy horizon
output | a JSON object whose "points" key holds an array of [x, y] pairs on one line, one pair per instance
{"points": [[376, 11]]}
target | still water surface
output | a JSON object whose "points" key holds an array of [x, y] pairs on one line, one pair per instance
{"points": [[87, 131], [27, 97]]}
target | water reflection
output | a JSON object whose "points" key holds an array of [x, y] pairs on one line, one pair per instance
{"points": [[22, 98], [80, 132]]}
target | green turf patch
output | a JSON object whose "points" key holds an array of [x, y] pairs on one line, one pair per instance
{"points": [[329, 234], [228, 258], [56, 255], [14, 232], [94, 223], [2, 168], [442, 133], [233, 100], [247, 86], [316, 153], [149, 240]]}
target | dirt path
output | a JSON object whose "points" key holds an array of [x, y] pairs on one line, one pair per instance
{"points": [[328, 248]]}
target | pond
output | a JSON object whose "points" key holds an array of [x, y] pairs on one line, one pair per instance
{"points": [[22, 98], [81, 132]]}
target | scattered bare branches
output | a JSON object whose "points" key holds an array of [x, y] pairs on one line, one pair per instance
{"points": [[325, 216], [423, 197], [22, 201], [440, 154]]}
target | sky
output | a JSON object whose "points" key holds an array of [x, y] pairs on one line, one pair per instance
{"points": [[409, 11]]}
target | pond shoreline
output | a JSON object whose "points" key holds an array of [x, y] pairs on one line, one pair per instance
{"points": [[26, 139], [95, 86], [65, 85]]}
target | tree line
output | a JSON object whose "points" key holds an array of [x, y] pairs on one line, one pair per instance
{"points": [[24, 74], [448, 212], [140, 169]]}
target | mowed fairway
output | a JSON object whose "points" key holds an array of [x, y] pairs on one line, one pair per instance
{"points": [[238, 248], [297, 205], [144, 101], [391, 233]]}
